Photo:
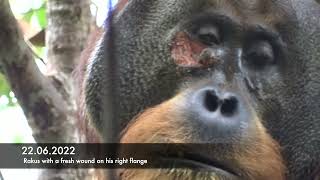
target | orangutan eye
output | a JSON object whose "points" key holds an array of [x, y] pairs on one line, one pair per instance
{"points": [[208, 35], [259, 54]]}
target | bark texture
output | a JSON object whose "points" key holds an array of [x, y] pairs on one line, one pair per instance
{"points": [[67, 32]]}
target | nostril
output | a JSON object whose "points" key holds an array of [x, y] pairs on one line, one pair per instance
{"points": [[229, 106], [211, 101]]}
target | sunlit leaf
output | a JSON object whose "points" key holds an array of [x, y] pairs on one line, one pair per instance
{"points": [[18, 139], [41, 15], [4, 87]]}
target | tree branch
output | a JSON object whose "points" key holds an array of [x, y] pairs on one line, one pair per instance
{"points": [[45, 108]]}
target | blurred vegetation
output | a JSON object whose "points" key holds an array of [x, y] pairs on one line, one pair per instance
{"points": [[6, 96]]}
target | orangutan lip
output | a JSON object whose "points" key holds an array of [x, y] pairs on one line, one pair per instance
{"points": [[198, 162]]}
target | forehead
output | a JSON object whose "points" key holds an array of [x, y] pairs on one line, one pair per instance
{"points": [[268, 12]]}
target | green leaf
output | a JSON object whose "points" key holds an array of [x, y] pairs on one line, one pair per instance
{"points": [[5, 91], [18, 139], [4, 87], [39, 50], [41, 16]]}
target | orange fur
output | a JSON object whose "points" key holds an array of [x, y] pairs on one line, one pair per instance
{"points": [[258, 158]]}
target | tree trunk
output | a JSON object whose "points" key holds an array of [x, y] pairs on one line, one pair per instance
{"points": [[67, 32]]}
